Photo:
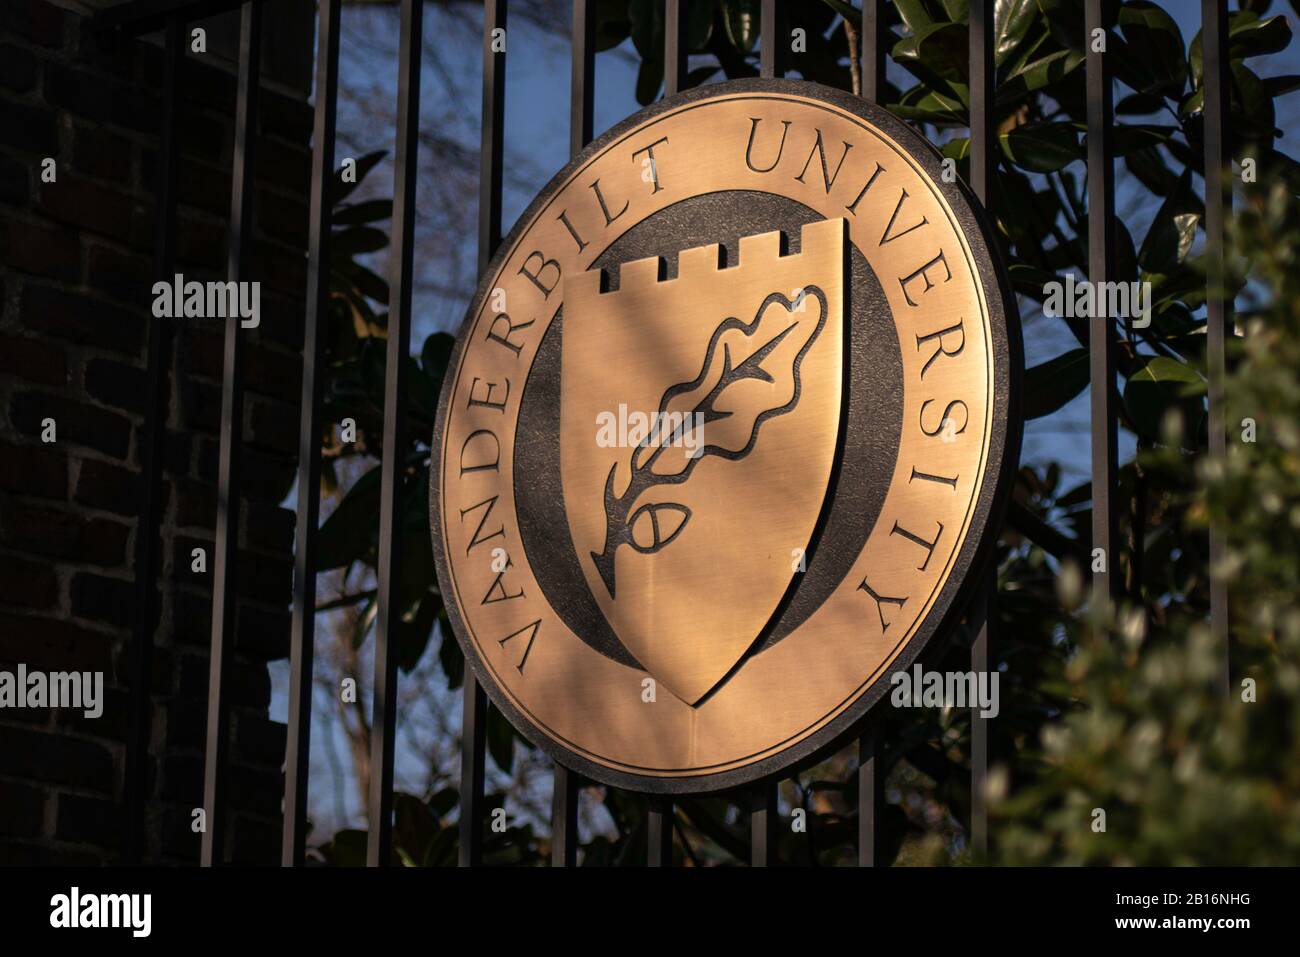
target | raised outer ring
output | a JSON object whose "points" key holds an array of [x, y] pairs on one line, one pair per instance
{"points": [[971, 562]]}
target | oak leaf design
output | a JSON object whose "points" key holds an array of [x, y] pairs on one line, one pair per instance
{"points": [[750, 374]]}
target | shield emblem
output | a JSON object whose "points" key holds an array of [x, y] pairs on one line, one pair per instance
{"points": [[699, 419]]}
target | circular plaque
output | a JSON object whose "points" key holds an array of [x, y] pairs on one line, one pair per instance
{"points": [[725, 436]]}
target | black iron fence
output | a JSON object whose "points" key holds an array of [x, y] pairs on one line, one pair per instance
{"points": [[171, 17]]}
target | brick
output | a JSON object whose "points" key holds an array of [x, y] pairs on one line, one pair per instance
{"points": [[261, 634], [33, 19], [106, 54], [108, 600], [177, 453], [193, 618], [113, 725], [267, 579], [255, 840], [39, 470], [122, 276], [289, 118], [285, 219], [274, 426], [57, 759], [266, 478], [196, 504], [259, 740], [44, 531], [22, 810], [249, 687], [33, 360], [186, 725], [15, 185], [53, 644], [282, 319], [33, 129], [90, 207], [280, 268], [113, 383], [27, 583], [101, 153], [75, 422], [182, 776], [270, 527], [87, 820], [110, 487], [282, 164], [275, 374], [201, 244], [179, 841], [79, 319], [18, 68], [41, 250], [100, 98], [201, 406]]}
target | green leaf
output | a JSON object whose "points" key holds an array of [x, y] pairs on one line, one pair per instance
{"points": [[1052, 384], [350, 533], [1042, 147], [500, 740], [918, 14], [1139, 136], [845, 10], [1153, 60], [1011, 22], [436, 354], [741, 20], [1160, 383], [612, 23], [942, 48], [358, 214], [1173, 229], [1248, 36], [355, 240]]}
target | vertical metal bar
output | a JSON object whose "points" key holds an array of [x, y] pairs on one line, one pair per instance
{"points": [[981, 99], [659, 833], [874, 31], [983, 618], [867, 800], [158, 357], [583, 75], [1101, 329], [564, 811], [769, 28], [564, 819], [303, 633], [224, 589], [873, 82], [983, 162], [762, 825], [474, 704], [675, 52], [383, 722], [1218, 202], [473, 758]]}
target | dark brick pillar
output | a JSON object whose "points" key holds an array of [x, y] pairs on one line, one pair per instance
{"points": [[75, 299]]}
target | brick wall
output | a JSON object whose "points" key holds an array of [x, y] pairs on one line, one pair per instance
{"points": [[75, 298]]}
